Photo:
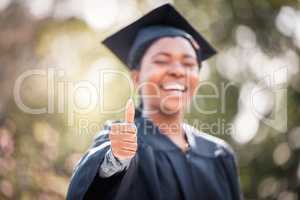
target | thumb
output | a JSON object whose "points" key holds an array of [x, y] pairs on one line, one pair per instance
{"points": [[130, 111]]}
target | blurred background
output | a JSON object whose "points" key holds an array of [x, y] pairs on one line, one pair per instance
{"points": [[51, 60]]}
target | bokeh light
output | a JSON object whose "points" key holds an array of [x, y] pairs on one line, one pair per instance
{"points": [[4, 4], [100, 14]]}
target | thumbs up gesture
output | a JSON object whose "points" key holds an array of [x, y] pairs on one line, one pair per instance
{"points": [[123, 135]]}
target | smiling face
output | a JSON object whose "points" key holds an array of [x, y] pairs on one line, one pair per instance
{"points": [[168, 75]]}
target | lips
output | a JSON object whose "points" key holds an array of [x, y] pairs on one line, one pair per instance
{"points": [[173, 86]]}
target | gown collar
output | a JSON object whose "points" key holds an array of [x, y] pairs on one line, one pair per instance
{"points": [[200, 143]]}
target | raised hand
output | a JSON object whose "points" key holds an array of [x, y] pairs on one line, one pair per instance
{"points": [[123, 135]]}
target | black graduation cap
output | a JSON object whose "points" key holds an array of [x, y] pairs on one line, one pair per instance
{"points": [[121, 42]]}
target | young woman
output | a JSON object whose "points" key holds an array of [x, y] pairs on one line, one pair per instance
{"points": [[153, 154]]}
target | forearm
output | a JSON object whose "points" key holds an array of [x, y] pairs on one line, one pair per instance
{"points": [[112, 165]]}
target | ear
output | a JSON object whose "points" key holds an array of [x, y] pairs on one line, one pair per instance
{"points": [[135, 76]]}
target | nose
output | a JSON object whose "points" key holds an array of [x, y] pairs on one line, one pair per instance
{"points": [[176, 70]]}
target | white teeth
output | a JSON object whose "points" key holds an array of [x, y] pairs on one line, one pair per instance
{"points": [[173, 86]]}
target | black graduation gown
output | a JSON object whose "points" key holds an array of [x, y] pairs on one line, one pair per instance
{"points": [[160, 170]]}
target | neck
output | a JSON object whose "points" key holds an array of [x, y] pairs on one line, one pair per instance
{"points": [[168, 124]]}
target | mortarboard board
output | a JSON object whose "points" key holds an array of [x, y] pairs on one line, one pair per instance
{"points": [[121, 42]]}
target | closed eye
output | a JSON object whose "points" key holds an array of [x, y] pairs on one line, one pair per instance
{"points": [[189, 63], [161, 62]]}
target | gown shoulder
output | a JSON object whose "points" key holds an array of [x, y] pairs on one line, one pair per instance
{"points": [[207, 144], [85, 180]]}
